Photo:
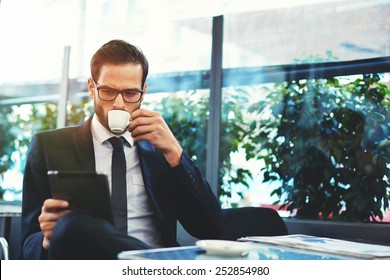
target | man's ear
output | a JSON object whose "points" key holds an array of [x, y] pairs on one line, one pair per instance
{"points": [[144, 90], [91, 88], [145, 87]]}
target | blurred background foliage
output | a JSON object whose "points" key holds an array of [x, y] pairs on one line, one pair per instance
{"points": [[328, 144]]}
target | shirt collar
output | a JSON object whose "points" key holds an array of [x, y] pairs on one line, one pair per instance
{"points": [[102, 134]]}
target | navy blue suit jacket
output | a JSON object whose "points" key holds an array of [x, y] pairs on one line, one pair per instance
{"points": [[176, 194]]}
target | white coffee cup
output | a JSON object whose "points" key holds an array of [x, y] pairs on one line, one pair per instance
{"points": [[118, 120]]}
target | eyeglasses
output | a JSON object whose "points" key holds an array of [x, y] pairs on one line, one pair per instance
{"points": [[109, 94]]}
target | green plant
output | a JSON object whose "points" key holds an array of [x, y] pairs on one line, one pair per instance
{"points": [[7, 140], [328, 144]]}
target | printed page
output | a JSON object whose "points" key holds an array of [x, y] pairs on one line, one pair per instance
{"points": [[327, 245]]}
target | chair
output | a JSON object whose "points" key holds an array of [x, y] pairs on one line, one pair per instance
{"points": [[4, 249], [10, 239], [252, 221]]}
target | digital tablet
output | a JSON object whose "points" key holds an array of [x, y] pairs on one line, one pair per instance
{"points": [[85, 191]]}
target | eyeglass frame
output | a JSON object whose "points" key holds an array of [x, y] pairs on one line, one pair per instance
{"points": [[98, 87]]}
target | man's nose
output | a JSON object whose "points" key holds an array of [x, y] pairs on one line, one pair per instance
{"points": [[119, 101]]}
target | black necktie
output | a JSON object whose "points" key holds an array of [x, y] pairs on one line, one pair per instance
{"points": [[118, 188]]}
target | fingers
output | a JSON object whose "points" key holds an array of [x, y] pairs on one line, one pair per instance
{"points": [[142, 113], [53, 205], [45, 243], [47, 229], [150, 126], [52, 210], [143, 118]]}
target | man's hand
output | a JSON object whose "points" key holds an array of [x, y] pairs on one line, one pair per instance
{"points": [[150, 126], [52, 210]]}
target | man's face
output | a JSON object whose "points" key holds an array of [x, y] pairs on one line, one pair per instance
{"points": [[120, 77]]}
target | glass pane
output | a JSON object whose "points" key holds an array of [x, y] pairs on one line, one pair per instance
{"points": [[35, 33], [293, 31]]}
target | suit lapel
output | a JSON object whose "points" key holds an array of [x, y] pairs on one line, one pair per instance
{"points": [[146, 160], [83, 144]]}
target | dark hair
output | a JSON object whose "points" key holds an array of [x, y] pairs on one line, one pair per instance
{"points": [[118, 52]]}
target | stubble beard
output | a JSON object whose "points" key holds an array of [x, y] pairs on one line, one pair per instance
{"points": [[102, 117]]}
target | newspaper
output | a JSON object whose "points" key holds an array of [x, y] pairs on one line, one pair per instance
{"points": [[325, 245]]}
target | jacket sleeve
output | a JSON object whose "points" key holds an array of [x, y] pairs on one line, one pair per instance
{"points": [[35, 191], [199, 209]]}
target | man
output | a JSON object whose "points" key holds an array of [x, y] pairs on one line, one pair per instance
{"points": [[163, 184]]}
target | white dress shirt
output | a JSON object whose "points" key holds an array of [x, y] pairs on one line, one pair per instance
{"points": [[140, 221]]}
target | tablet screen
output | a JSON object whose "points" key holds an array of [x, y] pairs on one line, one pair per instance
{"points": [[86, 191]]}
